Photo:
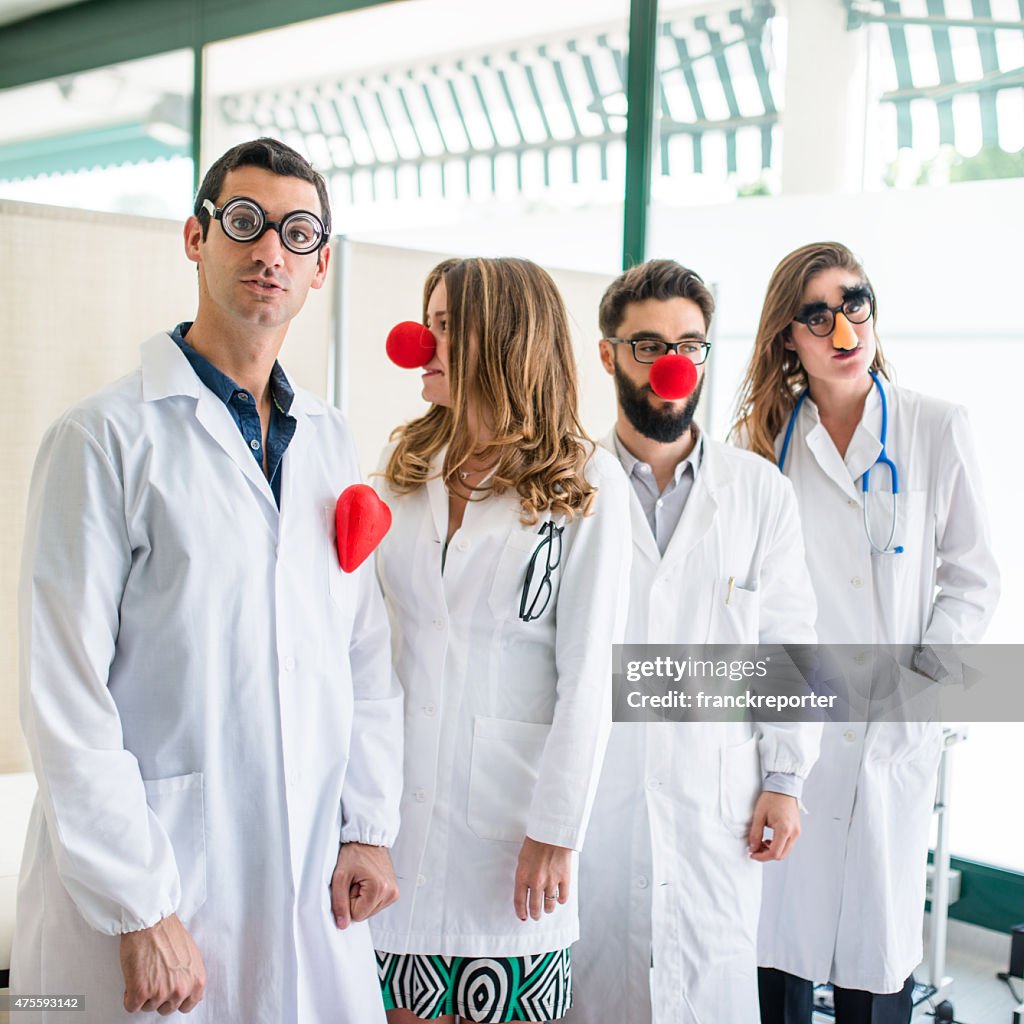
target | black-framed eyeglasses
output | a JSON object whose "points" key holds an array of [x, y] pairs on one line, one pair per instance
{"points": [[533, 607], [820, 320], [647, 350], [244, 220]]}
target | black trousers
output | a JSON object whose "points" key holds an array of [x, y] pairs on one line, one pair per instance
{"points": [[787, 999]]}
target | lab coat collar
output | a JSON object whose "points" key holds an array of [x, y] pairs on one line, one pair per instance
{"points": [[698, 515], [864, 448], [166, 373], [437, 496]]}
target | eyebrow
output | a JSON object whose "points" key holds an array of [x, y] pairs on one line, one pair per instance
{"points": [[655, 336], [849, 292]]}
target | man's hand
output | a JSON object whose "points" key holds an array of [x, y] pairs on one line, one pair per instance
{"points": [[542, 878], [162, 968], [363, 883], [780, 813]]}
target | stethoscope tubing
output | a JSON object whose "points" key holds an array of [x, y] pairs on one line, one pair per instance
{"points": [[883, 458]]}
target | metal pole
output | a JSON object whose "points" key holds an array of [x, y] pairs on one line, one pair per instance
{"points": [[198, 85], [640, 91]]}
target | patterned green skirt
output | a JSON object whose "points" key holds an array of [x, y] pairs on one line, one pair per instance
{"points": [[485, 989]]}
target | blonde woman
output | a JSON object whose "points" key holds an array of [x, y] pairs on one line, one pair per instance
{"points": [[897, 546], [505, 578]]}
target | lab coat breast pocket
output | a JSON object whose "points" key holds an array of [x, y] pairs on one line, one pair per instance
{"points": [[506, 592], [178, 804], [740, 783], [339, 585], [734, 614], [503, 772], [913, 532]]}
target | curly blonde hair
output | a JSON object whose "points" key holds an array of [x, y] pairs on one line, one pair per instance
{"points": [[775, 379], [510, 355]]}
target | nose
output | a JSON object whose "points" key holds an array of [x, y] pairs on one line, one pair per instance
{"points": [[844, 337], [268, 249]]}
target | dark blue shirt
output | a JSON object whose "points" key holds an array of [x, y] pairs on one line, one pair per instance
{"points": [[242, 406]]}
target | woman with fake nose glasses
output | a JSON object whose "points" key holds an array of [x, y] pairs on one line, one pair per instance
{"points": [[897, 547], [505, 577]]}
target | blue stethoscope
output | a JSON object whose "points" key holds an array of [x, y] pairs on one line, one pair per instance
{"points": [[883, 458]]}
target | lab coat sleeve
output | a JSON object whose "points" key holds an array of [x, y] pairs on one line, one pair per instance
{"points": [[111, 852], [591, 617], [967, 577], [788, 609], [373, 780]]}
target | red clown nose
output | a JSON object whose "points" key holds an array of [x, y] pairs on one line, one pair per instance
{"points": [[360, 519], [673, 377], [410, 345]]}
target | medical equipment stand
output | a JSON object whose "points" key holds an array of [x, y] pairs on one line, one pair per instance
{"points": [[938, 982]]}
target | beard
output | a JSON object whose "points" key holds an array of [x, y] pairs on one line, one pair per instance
{"points": [[666, 423]]}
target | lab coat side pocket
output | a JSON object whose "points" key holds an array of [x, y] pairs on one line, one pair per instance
{"points": [[177, 803], [735, 612], [503, 771], [740, 783]]}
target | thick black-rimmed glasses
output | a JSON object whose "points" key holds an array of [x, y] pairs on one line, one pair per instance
{"points": [[537, 595], [647, 350], [821, 320], [244, 220]]}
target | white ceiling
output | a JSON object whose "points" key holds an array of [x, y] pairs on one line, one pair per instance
{"points": [[15, 10]]}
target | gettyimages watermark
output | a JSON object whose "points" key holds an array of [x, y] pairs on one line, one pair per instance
{"points": [[818, 683]]}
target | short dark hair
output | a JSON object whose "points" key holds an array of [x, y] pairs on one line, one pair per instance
{"points": [[271, 155], [655, 279]]}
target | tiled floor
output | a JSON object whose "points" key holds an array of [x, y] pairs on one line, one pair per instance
{"points": [[974, 956]]}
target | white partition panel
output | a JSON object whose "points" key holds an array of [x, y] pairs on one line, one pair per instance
{"points": [[381, 286]]}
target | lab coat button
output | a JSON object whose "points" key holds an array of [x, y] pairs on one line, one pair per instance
{"points": [[420, 880], [429, 710], [859, 659], [462, 545], [849, 735], [419, 796], [654, 784], [438, 623], [641, 882], [851, 502], [857, 582], [289, 664]]}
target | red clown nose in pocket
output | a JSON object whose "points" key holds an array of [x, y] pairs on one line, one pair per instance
{"points": [[673, 377], [361, 520], [410, 345]]}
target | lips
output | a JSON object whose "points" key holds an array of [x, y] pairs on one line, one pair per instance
{"points": [[262, 285], [846, 353]]}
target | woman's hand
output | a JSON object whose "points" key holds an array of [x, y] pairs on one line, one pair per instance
{"points": [[542, 878]]}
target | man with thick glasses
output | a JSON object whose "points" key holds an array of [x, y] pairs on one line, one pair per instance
{"points": [[670, 879], [208, 699]]}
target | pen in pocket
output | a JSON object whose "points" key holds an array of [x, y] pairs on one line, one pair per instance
{"points": [[732, 583]]}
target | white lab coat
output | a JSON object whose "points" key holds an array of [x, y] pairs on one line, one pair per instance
{"points": [[667, 873], [848, 903], [208, 703], [506, 721]]}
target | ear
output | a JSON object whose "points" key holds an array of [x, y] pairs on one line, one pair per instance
{"points": [[787, 340], [323, 260], [193, 237], [607, 352]]}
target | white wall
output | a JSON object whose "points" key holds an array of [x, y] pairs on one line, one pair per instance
{"points": [[946, 266]]}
